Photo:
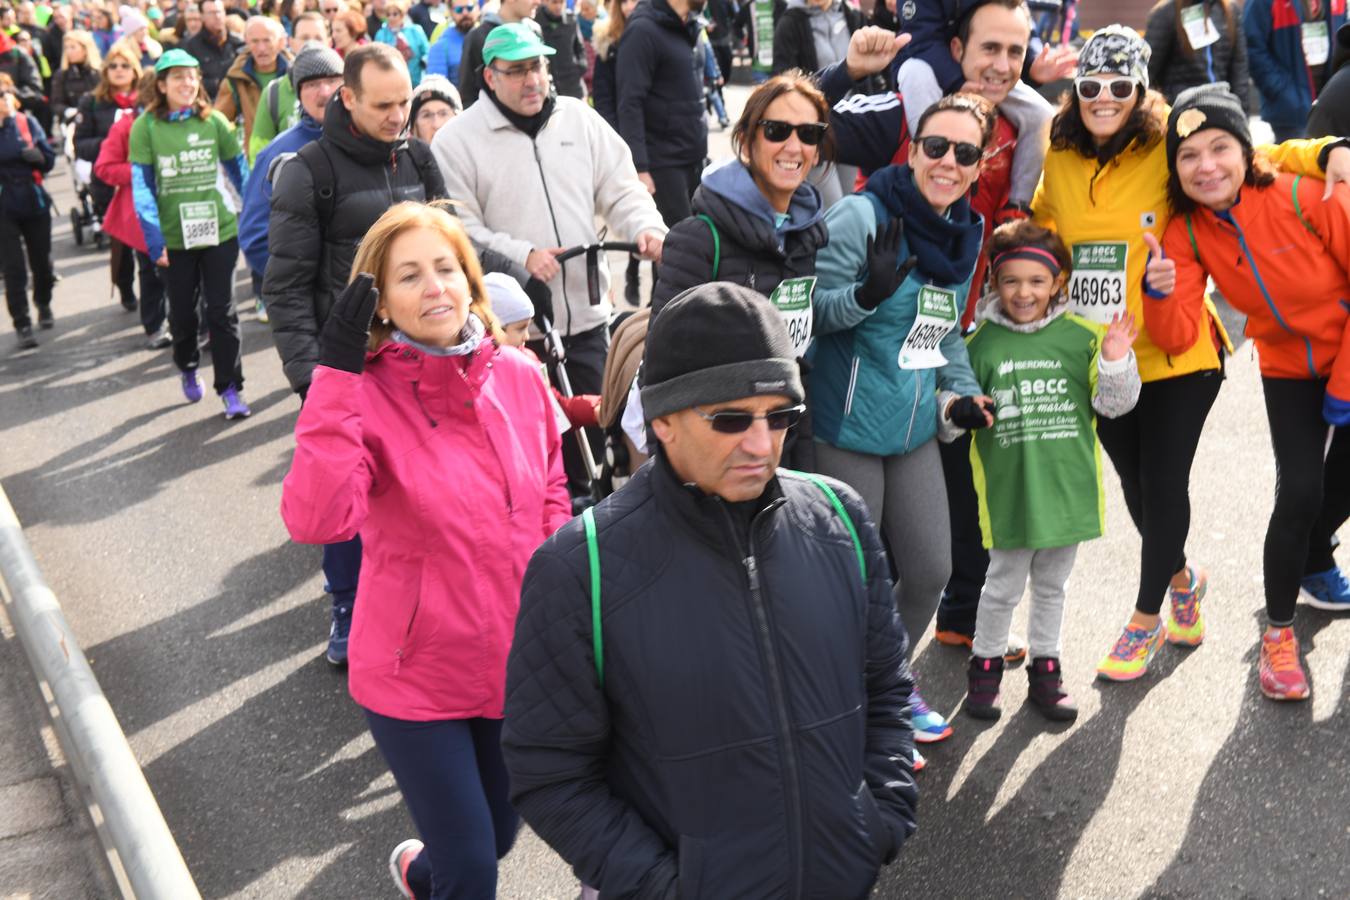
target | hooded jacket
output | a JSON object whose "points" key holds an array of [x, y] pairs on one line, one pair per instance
{"points": [[751, 737], [751, 249], [516, 193], [450, 469], [1281, 254], [1276, 59], [862, 400], [310, 261], [660, 98], [113, 168], [242, 88]]}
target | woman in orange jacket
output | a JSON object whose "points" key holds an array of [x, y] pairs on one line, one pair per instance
{"points": [[1277, 246]]}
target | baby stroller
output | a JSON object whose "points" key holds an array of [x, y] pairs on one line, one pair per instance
{"points": [[85, 221], [622, 457]]}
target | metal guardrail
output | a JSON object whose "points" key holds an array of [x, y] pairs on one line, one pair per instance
{"points": [[132, 826]]}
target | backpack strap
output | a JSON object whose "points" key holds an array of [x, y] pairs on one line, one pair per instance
{"points": [[1190, 233], [425, 162], [274, 103], [843, 514], [325, 181], [1299, 209], [717, 245], [593, 555]]}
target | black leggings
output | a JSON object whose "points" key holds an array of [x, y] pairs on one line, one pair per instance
{"points": [[1152, 448], [33, 234], [1312, 494], [211, 268]]}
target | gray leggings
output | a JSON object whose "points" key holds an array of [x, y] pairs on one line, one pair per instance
{"points": [[1009, 570], [907, 498]]}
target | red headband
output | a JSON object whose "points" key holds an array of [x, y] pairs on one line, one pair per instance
{"points": [[1036, 254]]}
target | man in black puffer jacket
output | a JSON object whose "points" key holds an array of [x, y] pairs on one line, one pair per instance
{"points": [[661, 114], [326, 197], [739, 724]]}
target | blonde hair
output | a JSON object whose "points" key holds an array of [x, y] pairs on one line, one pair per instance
{"points": [[92, 58], [373, 257], [104, 90]]}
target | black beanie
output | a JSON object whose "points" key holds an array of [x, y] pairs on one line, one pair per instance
{"points": [[716, 343], [1201, 107]]}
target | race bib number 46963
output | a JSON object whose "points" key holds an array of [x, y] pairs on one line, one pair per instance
{"points": [[1097, 288], [936, 317]]}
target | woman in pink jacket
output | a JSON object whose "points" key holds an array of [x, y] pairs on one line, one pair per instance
{"points": [[438, 445], [113, 167]]}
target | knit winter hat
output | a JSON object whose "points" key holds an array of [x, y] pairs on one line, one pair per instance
{"points": [[716, 343], [435, 87], [1205, 106], [508, 299], [131, 20], [1115, 50], [315, 61]]}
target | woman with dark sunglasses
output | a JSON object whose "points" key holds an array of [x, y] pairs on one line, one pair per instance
{"points": [[757, 222], [893, 282], [1105, 191]]}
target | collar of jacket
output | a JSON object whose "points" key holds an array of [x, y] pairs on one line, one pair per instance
{"points": [[243, 66], [365, 150], [499, 117], [434, 381], [665, 17], [706, 516]]}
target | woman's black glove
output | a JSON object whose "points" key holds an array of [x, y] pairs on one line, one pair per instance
{"points": [[885, 273], [968, 413], [33, 156], [347, 331]]}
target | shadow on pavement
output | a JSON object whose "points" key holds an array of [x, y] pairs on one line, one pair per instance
{"points": [[1258, 826], [1024, 848]]}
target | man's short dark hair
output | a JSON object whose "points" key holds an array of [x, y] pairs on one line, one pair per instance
{"points": [[382, 56], [963, 25]]}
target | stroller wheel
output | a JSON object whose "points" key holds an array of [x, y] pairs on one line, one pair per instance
{"points": [[77, 225]]}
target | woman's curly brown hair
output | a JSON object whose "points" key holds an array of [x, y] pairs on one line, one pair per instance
{"points": [[1147, 123]]}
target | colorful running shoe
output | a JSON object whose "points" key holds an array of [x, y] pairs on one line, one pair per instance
{"points": [[1130, 657], [1016, 652], [1281, 672], [929, 726], [192, 386], [1185, 626], [235, 407], [919, 762], [399, 860], [1329, 590]]}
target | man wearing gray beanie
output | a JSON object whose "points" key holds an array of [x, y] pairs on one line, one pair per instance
{"points": [[707, 693]]}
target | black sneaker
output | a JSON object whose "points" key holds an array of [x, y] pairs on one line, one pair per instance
{"points": [[45, 320], [129, 302], [160, 339], [25, 335]]}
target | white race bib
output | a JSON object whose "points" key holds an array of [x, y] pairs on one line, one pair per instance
{"points": [[1200, 31], [201, 228], [1316, 43], [937, 316], [1097, 288], [793, 299]]}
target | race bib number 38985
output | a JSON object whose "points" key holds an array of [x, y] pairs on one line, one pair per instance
{"points": [[1097, 288]]}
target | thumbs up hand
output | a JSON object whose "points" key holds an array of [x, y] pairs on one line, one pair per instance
{"points": [[1160, 274]]}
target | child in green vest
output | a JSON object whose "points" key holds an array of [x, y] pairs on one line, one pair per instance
{"points": [[1037, 470]]}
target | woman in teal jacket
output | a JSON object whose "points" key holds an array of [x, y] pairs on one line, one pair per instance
{"points": [[888, 338], [406, 37]]}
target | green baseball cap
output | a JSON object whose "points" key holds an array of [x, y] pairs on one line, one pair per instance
{"points": [[514, 42], [175, 58]]}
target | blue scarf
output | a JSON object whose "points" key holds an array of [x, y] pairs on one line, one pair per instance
{"points": [[470, 336], [947, 247]]}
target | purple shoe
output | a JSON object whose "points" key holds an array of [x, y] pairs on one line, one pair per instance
{"points": [[235, 407], [192, 386]]}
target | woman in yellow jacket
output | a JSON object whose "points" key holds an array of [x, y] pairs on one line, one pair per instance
{"points": [[1104, 190]]}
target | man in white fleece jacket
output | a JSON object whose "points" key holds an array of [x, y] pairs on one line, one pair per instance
{"points": [[531, 174]]}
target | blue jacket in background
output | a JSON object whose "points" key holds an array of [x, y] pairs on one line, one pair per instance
{"points": [[417, 42], [444, 56], [1275, 57], [21, 197], [861, 400], [258, 190]]}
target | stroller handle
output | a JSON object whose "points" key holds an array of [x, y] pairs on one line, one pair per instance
{"points": [[602, 246]]}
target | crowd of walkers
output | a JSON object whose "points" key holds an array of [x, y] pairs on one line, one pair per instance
{"points": [[887, 342]]}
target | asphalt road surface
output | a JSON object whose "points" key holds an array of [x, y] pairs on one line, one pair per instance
{"points": [[156, 523]]}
